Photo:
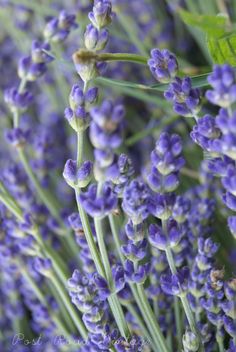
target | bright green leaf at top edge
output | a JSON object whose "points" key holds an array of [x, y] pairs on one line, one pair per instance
{"points": [[223, 49], [214, 26]]}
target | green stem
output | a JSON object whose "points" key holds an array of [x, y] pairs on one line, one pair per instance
{"points": [[114, 302], [183, 298], [42, 299], [80, 147], [220, 343], [142, 326], [116, 237], [89, 237], [133, 288], [78, 323], [178, 322], [151, 321], [138, 59]]}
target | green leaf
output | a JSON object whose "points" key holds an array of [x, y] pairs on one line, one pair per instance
{"points": [[214, 26], [197, 82], [223, 49], [221, 44]]}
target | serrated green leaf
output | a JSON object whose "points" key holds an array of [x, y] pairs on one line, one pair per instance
{"points": [[214, 26]]}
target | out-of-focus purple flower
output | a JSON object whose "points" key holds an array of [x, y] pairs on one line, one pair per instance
{"points": [[222, 79], [177, 284], [186, 100], [135, 203], [35, 65], [17, 137], [163, 65], [16, 100], [58, 29], [99, 205], [43, 266]]}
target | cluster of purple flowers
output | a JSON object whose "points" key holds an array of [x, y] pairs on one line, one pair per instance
{"points": [[216, 135]]}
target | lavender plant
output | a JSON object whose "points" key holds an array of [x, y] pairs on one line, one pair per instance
{"points": [[118, 176]]}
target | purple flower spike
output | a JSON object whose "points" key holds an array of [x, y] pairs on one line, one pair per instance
{"points": [[136, 198], [17, 137], [99, 205], [43, 266], [58, 29], [186, 100], [16, 100], [222, 79], [101, 16], [176, 285], [163, 65]]}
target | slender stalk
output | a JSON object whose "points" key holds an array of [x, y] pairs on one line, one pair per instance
{"points": [[144, 330], [151, 320], [138, 59], [103, 268], [178, 322], [116, 238], [114, 302], [144, 308], [42, 299]]}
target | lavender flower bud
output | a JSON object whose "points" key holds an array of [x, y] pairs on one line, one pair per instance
{"points": [[99, 205], [94, 39], [17, 137], [186, 99], [86, 65], [84, 174], [163, 65], [70, 172], [101, 16], [16, 100], [190, 342], [58, 29], [79, 119], [136, 197]]}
